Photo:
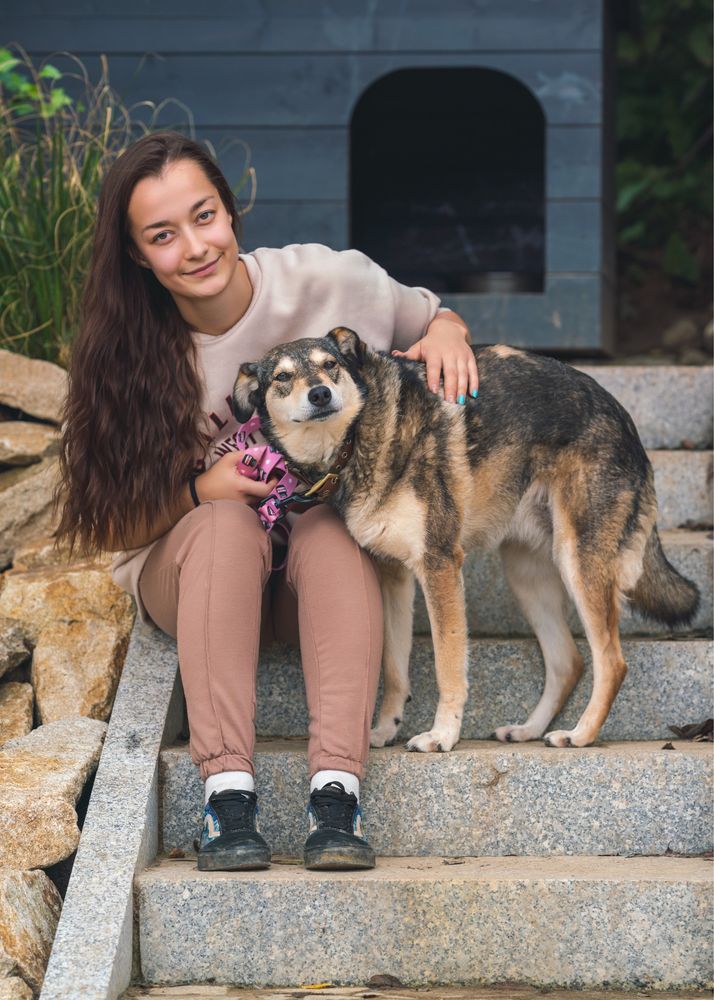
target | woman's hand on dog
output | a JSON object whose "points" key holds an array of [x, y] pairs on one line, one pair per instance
{"points": [[444, 348], [223, 481]]}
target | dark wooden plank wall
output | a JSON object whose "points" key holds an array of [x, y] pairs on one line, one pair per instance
{"points": [[284, 77], [251, 26]]}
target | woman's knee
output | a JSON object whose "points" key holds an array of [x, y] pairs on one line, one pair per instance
{"points": [[321, 539], [321, 524], [234, 526]]}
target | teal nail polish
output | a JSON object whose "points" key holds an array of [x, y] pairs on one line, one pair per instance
{"points": [[475, 393], [462, 400]]}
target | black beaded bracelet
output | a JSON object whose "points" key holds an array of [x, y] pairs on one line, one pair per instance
{"points": [[192, 489]]}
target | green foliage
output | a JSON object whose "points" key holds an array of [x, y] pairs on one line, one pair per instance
{"points": [[55, 149], [25, 97], [664, 132]]}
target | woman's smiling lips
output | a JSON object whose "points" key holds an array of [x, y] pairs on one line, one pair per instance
{"points": [[207, 269]]}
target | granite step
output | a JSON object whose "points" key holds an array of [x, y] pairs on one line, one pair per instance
{"points": [[683, 483], [483, 798], [578, 921], [492, 609], [669, 682], [671, 405]]}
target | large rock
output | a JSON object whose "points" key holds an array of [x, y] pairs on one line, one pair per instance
{"points": [[44, 552], [30, 907], [15, 989], [42, 597], [13, 649], [35, 387], [25, 505], [76, 668], [16, 702], [41, 777], [22, 442]]}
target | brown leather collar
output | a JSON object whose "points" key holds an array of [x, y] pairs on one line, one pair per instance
{"points": [[324, 488]]}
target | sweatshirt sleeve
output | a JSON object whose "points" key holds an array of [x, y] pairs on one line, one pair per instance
{"points": [[320, 288], [414, 309], [407, 311]]}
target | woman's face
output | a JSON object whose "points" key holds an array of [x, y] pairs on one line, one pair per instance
{"points": [[182, 231]]}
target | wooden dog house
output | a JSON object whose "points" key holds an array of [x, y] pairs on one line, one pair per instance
{"points": [[465, 145]]}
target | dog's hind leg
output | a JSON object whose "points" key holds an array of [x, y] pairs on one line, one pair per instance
{"points": [[443, 586], [539, 590], [589, 577], [398, 588]]}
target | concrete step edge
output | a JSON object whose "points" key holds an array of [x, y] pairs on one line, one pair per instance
{"points": [[638, 750], [669, 404], [578, 922], [614, 799], [669, 681], [585, 867], [492, 609], [683, 484]]}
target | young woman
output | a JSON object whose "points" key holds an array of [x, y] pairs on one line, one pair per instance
{"points": [[149, 467]]}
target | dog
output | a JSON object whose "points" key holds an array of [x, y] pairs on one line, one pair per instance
{"points": [[544, 465]]}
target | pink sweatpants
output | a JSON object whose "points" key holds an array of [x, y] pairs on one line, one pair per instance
{"points": [[208, 583]]}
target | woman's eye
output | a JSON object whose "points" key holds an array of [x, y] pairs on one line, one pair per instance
{"points": [[330, 364], [283, 377], [208, 212], [156, 238]]}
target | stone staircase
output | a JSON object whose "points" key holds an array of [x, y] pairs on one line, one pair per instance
{"points": [[579, 868]]}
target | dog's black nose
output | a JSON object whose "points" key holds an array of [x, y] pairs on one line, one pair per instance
{"points": [[319, 395]]}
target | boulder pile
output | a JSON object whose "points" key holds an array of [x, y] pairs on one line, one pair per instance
{"points": [[64, 631]]}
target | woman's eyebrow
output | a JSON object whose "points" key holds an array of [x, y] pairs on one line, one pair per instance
{"points": [[166, 222]]}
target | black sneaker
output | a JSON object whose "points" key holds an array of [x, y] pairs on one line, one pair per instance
{"points": [[230, 840], [336, 837]]}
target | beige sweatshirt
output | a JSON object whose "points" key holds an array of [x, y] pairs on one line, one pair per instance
{"points": [[300, 290]]}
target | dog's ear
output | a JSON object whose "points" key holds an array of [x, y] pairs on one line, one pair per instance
{"points": [[348, 343], [245, 392]]}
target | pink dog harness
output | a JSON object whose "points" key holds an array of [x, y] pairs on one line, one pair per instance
{"points": [[260, 461]]}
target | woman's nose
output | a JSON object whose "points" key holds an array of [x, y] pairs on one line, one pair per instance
{"points": [[195, 244]]}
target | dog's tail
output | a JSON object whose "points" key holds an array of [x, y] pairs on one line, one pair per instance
{"points": [[662, 593]]}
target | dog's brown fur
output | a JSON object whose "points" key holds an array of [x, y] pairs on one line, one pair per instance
{"points": [[545, 465]]}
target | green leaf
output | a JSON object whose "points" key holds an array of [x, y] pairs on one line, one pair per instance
{"points": [[628, 49], [653, 36], [632, 234], [679, 262], [50, 73], [700, 45], [627, 195], [7, 62], [22, 109]]}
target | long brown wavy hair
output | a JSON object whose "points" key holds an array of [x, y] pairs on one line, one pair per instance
{"points": [[131, 427]]}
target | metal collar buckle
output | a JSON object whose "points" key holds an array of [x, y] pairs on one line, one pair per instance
{"points": [[324, 487]]}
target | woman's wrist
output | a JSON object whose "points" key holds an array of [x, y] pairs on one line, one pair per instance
{"points": [[454, 322], [195, 499], [186, 504]]}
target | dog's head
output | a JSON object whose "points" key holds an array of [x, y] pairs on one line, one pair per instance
{"points": [[307, 394]]}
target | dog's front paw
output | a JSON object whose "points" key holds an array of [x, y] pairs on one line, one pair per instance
{"points": [[516, 734], [433, 741], [566, 738], [383, 734]]}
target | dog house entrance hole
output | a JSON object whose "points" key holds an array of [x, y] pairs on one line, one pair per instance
{"points": [[447, 180]]}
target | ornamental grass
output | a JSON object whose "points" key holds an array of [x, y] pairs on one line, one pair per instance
{"points": [[59, 133]]}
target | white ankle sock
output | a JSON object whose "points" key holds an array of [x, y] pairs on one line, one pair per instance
{"points": [[350, 781], [229, 779]]}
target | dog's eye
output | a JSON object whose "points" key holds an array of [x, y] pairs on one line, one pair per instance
{"points": [[330, 364], [283, 377]]}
